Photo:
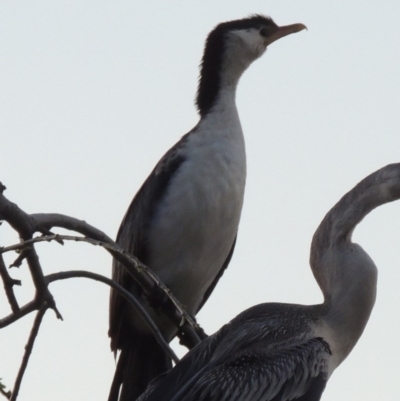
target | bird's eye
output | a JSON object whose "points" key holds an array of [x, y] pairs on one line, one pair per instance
{"points": [[264, 32]]}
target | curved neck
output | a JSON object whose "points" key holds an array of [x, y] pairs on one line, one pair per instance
{"points": [[217, 87], [345, 273], [222, 66]]}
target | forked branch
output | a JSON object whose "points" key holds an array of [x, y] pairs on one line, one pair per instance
{"points": [[27, 225]]}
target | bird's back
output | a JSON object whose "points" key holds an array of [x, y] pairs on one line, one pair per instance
{"points": [[269, 352]]}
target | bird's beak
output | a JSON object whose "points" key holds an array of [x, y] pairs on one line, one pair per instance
{"points": [[284, 31]]}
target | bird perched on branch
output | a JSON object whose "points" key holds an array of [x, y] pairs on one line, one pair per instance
{"points": [[184, 220], [286, 352]]}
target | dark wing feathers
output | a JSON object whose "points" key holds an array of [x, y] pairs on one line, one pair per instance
{"points": [[132, 232], [267, 353], [292, 373], [168, 385]]}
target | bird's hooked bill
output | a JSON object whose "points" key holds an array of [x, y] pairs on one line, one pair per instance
{"points": [[284, 31]]}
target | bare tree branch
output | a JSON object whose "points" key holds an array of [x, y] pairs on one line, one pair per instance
{"points": [[49, 220], [20, 221], [142, 274], [28, 350], [27, 225], [126, 294], [23, 311], [42, 290], [6, 394], [22, 255], [9, 283]]}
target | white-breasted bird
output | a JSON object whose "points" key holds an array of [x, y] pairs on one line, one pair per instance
{"points": [[184, 220], [287, 352]]}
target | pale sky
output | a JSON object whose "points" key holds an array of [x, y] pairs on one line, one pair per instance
{"points": [[92, 93]]}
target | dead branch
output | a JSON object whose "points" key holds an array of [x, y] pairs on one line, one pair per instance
{"points": [[140, 272], [49, 220], [123, 292], [28, 350], [23, 311], [3, 392], [9, 283], [27, 225]]}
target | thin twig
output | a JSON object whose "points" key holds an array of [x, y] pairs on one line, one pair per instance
{"points": [[23, 311], [123, 292], [129, 261], [9, 283], [6, 394], [42, 291], [3, 392], [28, 224], [46, 221], [45, 238], [18, 262], [28, 350]]}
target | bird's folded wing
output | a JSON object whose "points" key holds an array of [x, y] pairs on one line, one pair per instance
{"points": [[296, 372], [132, 232]]}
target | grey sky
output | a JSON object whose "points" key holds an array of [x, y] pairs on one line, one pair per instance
{"points": [[92, 93]]}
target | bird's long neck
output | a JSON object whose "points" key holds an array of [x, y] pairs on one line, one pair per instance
{"points": [[344, 271], [221, 69], [216, 91]]}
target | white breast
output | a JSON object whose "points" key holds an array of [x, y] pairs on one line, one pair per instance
{"points": [[203, 205]]}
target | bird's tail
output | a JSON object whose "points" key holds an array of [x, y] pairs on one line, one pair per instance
{"points": [[139, 363]]}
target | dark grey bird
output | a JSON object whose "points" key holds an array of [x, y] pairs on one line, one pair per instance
{"points": [[287, 352], [184, 220]]}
